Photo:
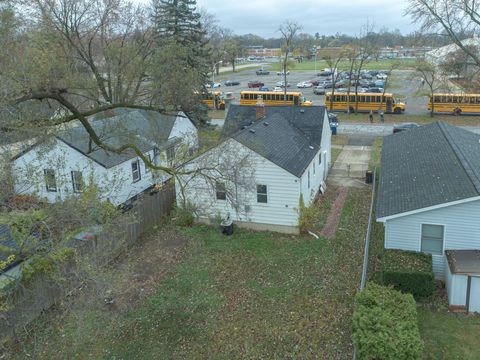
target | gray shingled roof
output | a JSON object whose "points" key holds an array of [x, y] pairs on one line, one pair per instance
{"points": [[431, 165], [146, 129], [286, 136]]}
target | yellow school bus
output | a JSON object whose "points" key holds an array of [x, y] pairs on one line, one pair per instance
{"points": [[455, 103], [366, 102], [214, 100], [272, 98]]}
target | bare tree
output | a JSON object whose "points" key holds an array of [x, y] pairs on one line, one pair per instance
{"points": [[431, 77], [333, 63], [288, 30], [454, 17]]}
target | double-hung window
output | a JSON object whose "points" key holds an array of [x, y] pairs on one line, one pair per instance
{"points": [[262, 196], [77, 181], [308, 177], [432, 239], [50, 181], [171, 153], [136, 171], [220, 191]]}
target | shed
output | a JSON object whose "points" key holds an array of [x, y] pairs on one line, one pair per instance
{"points": [[462, 278]]}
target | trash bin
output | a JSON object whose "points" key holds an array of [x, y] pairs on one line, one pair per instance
{"points": [[227, 227], [333, 127], [369, 177]]}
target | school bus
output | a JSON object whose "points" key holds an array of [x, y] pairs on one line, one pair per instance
{"points": [[272, 98], [214, 100], [455, 103], [366, 102]]}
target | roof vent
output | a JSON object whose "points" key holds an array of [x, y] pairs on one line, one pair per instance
{"points": [[265, 123], [302, 111], [252, 131], [244, 127], [311, 147]]}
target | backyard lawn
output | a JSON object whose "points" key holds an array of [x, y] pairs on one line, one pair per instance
{"points": [[254, 295], [449, 336]]}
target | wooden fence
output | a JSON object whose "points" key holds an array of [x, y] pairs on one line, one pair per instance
{"points": [[101, 246]]}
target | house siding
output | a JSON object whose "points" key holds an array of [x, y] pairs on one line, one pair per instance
{"points": [[184, 129], [321, 170], [283, 190], [115, 184], [462, 230], [456, 287]]}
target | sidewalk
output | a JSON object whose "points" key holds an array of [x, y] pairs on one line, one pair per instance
{"points": [[239, 67]]}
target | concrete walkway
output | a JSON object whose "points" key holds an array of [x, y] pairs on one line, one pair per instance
{"points": [[350, 167]]}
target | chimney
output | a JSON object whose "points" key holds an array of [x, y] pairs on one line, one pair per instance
{"points": [[260, 111]]}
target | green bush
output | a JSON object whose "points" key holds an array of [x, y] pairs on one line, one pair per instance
{"points": [[183, 216], [385, 325], [408, 271], [307, 216]]}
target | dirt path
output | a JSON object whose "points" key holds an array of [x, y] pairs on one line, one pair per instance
{"points": [[333, 218]]}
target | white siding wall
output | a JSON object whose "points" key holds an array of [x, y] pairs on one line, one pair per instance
{"points": [[116, 184], [462, 230], [184, 128], [283, 190], [321, 169], [456, 287]]}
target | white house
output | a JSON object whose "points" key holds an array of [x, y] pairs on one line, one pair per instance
{"points": [[61, 166], [270, 157], [429, 193]]}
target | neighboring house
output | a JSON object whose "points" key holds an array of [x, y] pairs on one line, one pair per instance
{"points": [[61, 166], [269, 158], [440, 55], [429, 192]]}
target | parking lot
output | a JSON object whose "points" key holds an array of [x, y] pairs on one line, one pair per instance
{"points": [[403, 84]]}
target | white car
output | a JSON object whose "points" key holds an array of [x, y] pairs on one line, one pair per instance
{"points": [[382, 76], [277, 89], [213, 85], [304, 84], [282, 73]]}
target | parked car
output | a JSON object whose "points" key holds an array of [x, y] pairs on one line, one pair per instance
{"points": [[339, 84], [314, 82], [232, 83], [319, 90], [213, 85], [277, 89], [379, 83], [382, 76], [375, 90], [282, 84], [255, 83], [404, 126], [282, 73], [262, 72], [263, 88], [341, 90], [304, 84], [324, 73]]}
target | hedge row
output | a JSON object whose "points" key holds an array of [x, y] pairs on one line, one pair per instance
{"points": [[385, 325], [408, 271]]}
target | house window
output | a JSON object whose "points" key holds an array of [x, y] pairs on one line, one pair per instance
{"points": [[136, 171], [171, 153], [262, 196], [149, 157], [50, 181], [314, 168], [220, 191], [319, 158], [77, 181], [432, 239]]}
